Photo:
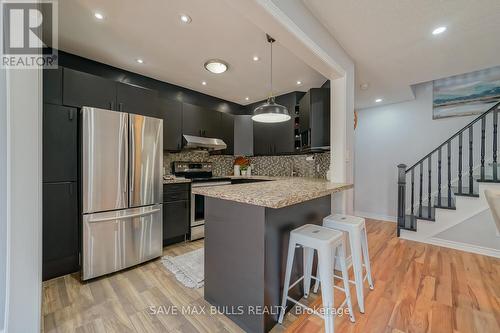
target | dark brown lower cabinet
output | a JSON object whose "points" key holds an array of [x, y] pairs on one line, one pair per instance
{"points": [[176, 212], [175, 219], [60, 229]]}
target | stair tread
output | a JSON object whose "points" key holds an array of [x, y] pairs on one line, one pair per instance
{"points": [[465, 191], [444, 202], [410, 223], [424, 215]]}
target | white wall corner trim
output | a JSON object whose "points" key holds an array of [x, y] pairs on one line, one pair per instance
{"points": [[24, 200], [278, 14], [373, 216]]}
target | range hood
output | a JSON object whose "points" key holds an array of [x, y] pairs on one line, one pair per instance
{"points": [[198, 142]]}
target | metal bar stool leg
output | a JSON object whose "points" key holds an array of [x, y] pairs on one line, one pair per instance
{"points": [[345, 279], [308, 263], [355, 240], [366, 257], [326, 264], [288, 273]]}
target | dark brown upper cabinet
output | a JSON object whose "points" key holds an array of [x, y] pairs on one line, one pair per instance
{"points": [[314, 110], [138, 100], [171, 113], [199, 121], [60, 143], [227, 132], [83, 89], [52, 85]]}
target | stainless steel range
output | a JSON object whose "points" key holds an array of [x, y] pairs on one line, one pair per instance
{"points": [[201, 175]]}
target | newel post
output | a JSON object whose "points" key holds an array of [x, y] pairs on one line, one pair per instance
{"points": [[401, 196]]}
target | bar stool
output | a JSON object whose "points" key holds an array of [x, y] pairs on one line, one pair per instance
{"points": [[327, 242], [356, 229]]}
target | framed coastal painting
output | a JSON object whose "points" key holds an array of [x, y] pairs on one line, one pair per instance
{"points": [[466, 94]]}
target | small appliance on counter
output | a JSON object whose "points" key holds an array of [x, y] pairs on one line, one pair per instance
{"points": [[121, 189], [201, 175]]}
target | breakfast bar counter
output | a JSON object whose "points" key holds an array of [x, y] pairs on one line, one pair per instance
{"points": [[247, 229]]}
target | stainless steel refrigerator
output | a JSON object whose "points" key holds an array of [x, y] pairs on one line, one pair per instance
{"points": [[121, 184]]}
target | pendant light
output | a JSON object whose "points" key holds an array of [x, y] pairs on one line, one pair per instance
{"points": [[270, 112]]}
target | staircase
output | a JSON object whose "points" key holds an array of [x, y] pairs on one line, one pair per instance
{"points": [[447, 185]]}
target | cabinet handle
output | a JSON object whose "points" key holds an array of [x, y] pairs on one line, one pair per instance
{"points": [[111, 105], [120, 107], [71, 188], [70, 114]]}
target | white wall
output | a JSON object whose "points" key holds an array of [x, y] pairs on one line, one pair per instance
{"points": [[389, 135], [24, 201]]}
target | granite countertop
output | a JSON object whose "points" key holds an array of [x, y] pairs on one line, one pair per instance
{"points": [[176, 181], [279, 192]]}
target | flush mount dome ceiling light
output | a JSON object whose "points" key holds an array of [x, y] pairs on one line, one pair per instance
{"points": [[216, 66], [270, 112], [439, 30]]}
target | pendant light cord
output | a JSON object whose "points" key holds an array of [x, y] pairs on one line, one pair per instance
{"points": [[272, 94]]}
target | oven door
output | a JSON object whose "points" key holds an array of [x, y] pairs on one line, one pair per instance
{"points": [[198, 210]]}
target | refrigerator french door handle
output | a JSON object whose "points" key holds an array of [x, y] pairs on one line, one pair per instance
{"points": [[150, 212], [132, 156], [125, 156]]}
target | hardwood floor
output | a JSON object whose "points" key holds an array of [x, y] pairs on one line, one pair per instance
{"points": [[418, 288]]}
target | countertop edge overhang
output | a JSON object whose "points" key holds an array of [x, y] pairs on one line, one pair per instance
{"points": [[278, 192]]}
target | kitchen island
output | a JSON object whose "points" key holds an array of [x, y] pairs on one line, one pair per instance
{"points": [[247, 229]]}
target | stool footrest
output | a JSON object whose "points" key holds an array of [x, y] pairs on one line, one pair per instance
{"points": [[296, 282], [305, 307]]}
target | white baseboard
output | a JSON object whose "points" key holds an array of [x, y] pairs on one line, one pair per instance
{"points": [[376, 216], [460, 246]]}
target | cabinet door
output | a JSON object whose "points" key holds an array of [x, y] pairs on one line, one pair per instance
{"points": [[171, 113], [60, 143], [138, 100], [227, 132], [283, 137], [262, 138], [283, 133], [200, 121], [60, 229], [304, 112], [52, 85], [83, 89], [211, 127], [192, 119], [175, 219]]}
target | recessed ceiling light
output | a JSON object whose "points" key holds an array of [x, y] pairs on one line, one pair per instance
{"points": [[255, 58], [204, 83], [378, 100], [364, 86], [299, 83], [98, 16], [247, 98], [216, 66], [439, 30], [185, 18], [140, 61]]}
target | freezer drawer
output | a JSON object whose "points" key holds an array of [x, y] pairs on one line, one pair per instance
{"points": [[116, 240]]}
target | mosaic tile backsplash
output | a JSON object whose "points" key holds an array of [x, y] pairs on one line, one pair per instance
{"points": [[282, 165]]}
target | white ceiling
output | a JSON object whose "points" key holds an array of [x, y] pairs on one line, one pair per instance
{"points": [[392, 45], [175, 52]]}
